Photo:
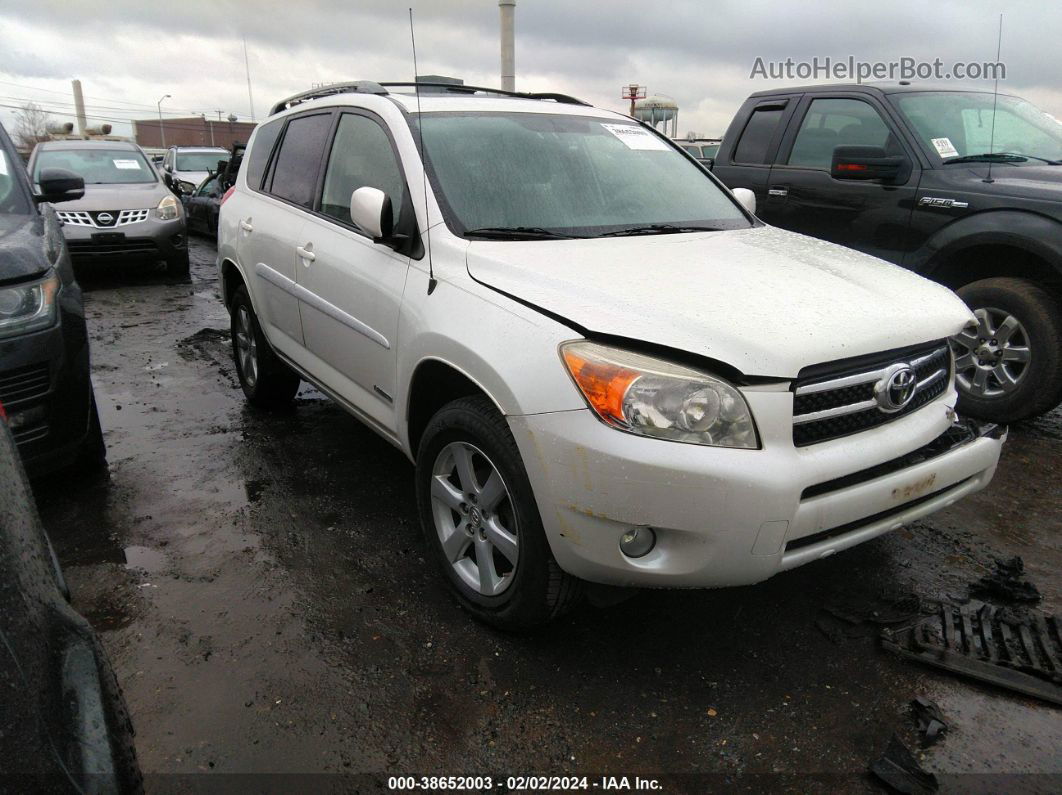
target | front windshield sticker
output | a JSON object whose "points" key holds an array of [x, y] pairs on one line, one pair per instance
{"points": [[635, 137], [3, 165], [127, 164], [945, 148]]}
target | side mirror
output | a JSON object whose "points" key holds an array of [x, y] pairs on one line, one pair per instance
{"points": [[746, 199], [370, 210], [867, 163], [59, 185]]}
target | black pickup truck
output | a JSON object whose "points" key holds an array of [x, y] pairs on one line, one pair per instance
{"points": [[961, 186]]}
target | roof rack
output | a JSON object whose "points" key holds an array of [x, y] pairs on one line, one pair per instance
{"points": [[461, 88], [370, 87], [354, 87]]}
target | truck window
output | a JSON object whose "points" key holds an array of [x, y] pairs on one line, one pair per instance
{"points": [[836, 122], [752, 146]]}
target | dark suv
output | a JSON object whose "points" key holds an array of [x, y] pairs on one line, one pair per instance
{"points": [[44, 348], [961, 186]]}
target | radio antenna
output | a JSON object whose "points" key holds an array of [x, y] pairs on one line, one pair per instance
{"points": [[995, 100], [423, 158]]}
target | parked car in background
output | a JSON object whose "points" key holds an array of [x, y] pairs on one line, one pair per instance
{"points": [[64, 726], [126, 212], [704, 149], [44, 346], [604, 367], [185, 167], [916, 175], [203, 204]]}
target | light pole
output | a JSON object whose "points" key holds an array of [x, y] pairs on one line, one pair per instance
{"points": [[162, 128]]}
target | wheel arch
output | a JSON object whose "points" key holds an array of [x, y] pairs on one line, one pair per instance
{"points": [[434, 383], [231, 279]]}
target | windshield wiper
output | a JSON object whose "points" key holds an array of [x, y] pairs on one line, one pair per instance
{"points": [[987, 157], [657, 229], [517, 232], [1034, 157]]}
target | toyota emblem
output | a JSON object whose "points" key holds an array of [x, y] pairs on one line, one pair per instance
{"points": [[896, 389]]}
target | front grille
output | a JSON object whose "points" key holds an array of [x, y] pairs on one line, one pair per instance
{"points": [[23, 385], [129, 247], [112, 218], [844, 401]]}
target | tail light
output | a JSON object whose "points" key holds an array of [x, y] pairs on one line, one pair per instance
{"points": [[3, 414], [227, 194]]}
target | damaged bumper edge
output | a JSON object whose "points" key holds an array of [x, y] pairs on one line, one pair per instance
{"points": [[726, 517]]}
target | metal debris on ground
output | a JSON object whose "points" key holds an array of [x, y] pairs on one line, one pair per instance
{"points": [[930, 720], [1007, 583], [898, 768], [1016, 648]]}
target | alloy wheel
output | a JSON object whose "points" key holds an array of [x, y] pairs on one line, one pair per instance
{"points": [[246, 346], [474, 517], [992, 358]]}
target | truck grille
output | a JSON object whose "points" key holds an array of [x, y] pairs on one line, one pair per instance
{"points": [[850, 399]]}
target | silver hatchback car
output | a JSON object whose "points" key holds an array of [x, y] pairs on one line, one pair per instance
{"points": [[127, 213]]}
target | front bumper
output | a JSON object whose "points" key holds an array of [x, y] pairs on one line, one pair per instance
{"points": [[149, 240], [727, 517], [45, 388]]}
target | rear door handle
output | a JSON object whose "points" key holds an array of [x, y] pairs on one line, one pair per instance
{"points": [[778, 192], [246, 225], [306, 253]]}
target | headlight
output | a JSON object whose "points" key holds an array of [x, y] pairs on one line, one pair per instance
{"points": [[28, 307], [652, 397], [168, 209]]}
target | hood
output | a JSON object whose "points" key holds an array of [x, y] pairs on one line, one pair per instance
{"points": [[763, 300], [119, 197], [195, 177], [23, 250], [1041, 182]]}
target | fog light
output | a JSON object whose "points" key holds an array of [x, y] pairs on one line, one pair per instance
{"points": [[638, 542]]}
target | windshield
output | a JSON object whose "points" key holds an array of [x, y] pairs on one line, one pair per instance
{"points": [[571, 175], [97, 166], [12, 198], [959, 124], [200, 161]]}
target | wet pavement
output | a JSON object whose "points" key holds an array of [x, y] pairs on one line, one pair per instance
{"points": [[261, 585]]}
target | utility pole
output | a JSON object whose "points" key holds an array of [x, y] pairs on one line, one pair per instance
{"points": [[162, 127], [247, 68], [79, 108], [507, 9]]}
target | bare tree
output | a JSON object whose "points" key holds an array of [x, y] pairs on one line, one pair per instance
{"points": [[31, 125]]}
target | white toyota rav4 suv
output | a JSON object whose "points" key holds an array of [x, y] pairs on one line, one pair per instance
{"points": [[604, 367]]}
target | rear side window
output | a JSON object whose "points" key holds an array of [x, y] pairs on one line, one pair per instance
{"points": [[264, 138], [361, 156], [299, 158], [757, 135]]}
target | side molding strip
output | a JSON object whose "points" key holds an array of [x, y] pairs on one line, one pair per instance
{"points": [[318, 303]]}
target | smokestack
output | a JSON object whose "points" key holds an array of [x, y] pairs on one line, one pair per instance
{"points": [[79, 108], [508, 46]]}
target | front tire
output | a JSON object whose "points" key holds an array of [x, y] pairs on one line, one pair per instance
{"points": [[479, 517], [1009, 367], [266, 381]]}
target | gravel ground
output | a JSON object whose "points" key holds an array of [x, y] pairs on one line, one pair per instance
{"points": [[262, 588]]}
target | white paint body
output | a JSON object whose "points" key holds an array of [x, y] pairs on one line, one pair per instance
{"points": [[357, 319]]}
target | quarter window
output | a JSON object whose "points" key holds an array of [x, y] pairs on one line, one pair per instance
{"points": [[264, 138], [837, 122], [361, 156], [299, 159], [757, 136]]}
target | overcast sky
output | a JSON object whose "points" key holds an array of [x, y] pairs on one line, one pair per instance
{"points": [[128, 54]]}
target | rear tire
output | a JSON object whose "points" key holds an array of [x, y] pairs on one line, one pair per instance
{"points": [[1010, 367], [487, 517], [266, 381]]}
